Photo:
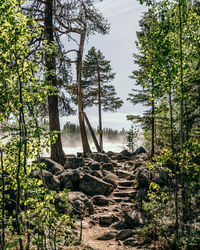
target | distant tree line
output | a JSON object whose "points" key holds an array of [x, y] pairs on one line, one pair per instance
{"points": [[71, 134]]}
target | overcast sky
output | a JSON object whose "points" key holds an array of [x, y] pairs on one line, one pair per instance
{"points": [[118, 47]]}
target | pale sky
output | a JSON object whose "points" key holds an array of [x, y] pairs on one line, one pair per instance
{"points": [[118, 47]]}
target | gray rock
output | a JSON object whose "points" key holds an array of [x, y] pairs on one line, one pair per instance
{"points": [[108, 167], [142, 177], [126, 153], [52, 166], [108, 235], [111, 178], [70, 179], [106, 219], [161, 177], [94, 165], [51, 181], [35, 174], [97, 173], [123, 174], [80, 202], [100, 157], [73, 163], [140, 150], [110, 153], [124, 234], [119, 157], [121, 225], [134, 218], [100, 200], [94, 186], [139, 195]]}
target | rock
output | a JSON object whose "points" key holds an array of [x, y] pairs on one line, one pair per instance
{"points": [[108, 235], [140, 150], [124, 234], [93, 185], [80, 202], [87, 170], [119, 157], [126, 153], [94, 165], [97, 173], [100, 157], [108, 167], [130, 242], [85, 225], [73, 163], [121, 225], [52, 166], [139, 195], [51, 181], [106, 219], [161, 177], [123, 174], [110, 153], [100, 200], [111, 178], [142, 177], [35, 174], [70, 179], [134, 218]]}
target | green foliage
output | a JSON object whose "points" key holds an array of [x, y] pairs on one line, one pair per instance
{"points": [[160, 206], [131, 139], [28, 210]]}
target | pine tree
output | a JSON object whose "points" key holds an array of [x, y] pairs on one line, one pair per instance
{"points": [[97, 74]]}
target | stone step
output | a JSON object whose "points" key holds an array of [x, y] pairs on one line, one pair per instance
{"points": [[125, 188], [125, 183], [122, 194]]}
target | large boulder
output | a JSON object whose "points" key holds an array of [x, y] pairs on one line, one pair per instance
{"points": [[80, 202], [52, 166], [70, 179], [100, 200], [97, 174], [93, 185], [108, 167], [51, 181], [140, 150], [124, 234], [126, 153], [143, 177], [94, 165], [111, 178], [73, 163], [100, 157], [134, 217], [161, 177], [108, 235]]}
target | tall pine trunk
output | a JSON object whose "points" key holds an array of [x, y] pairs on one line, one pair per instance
{"points": [[152, 122], [57, 153], [184, 193], [99, 110], [85, 144]]}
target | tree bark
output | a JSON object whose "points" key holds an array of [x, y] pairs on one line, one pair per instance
{"points": [[152, 122], [85, 144], [92, 133], [57, 153], [99, 110]]}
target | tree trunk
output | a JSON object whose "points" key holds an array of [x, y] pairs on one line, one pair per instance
{"points": [[57, 153], [152, 122], [3, 202], [171, 117], [85, 144], [100, 116], [92, 133]]}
